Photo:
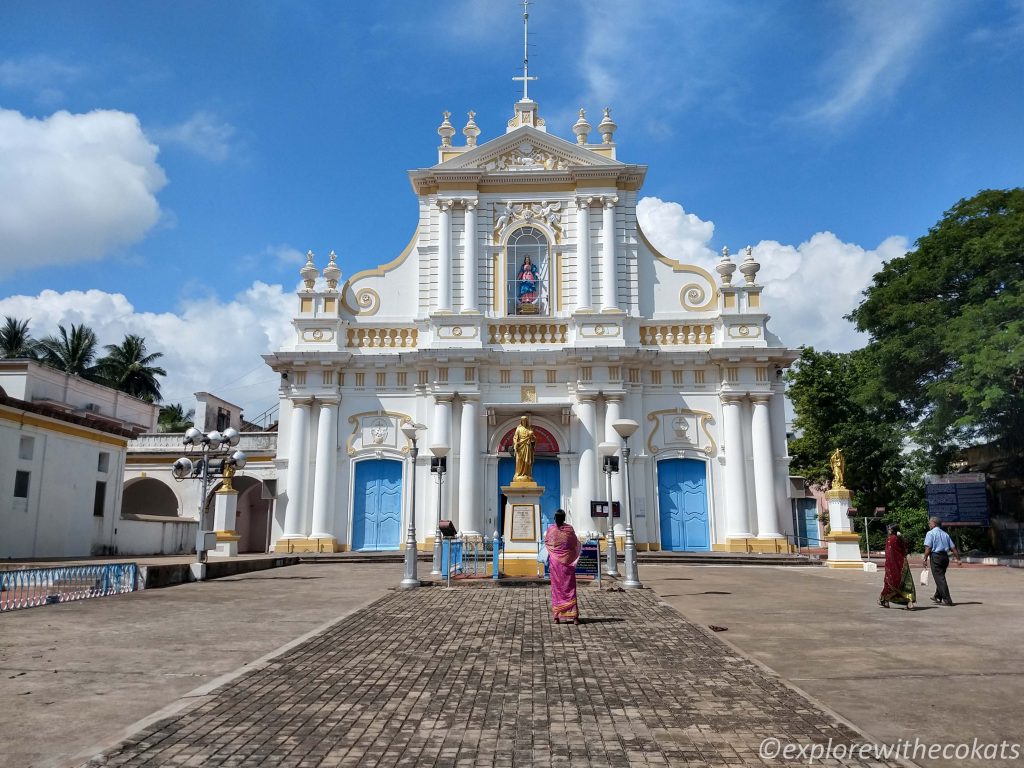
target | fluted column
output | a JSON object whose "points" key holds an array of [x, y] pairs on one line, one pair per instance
{"points": [[469, 267], [470, 509], [737, 521], [587, 491], [297, 461], [612, 413], [585, 279], [444, 255], [764, 485], [609, 275], [324, 469]]}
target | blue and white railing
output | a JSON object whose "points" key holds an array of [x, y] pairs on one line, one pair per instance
{"points": [[29, 587]]}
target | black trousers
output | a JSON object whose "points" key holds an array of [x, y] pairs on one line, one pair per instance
{"points": [[939, 563]]}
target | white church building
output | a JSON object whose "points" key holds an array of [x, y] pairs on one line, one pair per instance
{"points": [[528, 287]]}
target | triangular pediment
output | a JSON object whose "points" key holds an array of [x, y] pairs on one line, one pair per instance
{"points": [[526, 149]]}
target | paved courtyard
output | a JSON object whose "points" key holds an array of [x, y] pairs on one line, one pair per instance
{"points": [[475, 676]]}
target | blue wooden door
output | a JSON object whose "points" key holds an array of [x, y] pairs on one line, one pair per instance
{"points": [[807, 523], [548, 474], [377, 505], [683, 505]]}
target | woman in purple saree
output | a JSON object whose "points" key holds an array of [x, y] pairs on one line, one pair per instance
{"points": [[563, 552]]}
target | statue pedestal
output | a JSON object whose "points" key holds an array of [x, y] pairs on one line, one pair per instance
{"points": [[224, 506], [521, 532], [843, 543]]}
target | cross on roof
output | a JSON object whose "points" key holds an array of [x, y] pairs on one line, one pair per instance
{"points": [[525, 77]]}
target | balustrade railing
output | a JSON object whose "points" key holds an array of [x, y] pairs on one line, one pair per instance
{"points": [[528, 333], [676, 335], [394, 338], [29, 587]]}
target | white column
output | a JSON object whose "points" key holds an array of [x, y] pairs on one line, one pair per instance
{"points": [[469, 267], [585, 280], [737, 521], [612, 413], [225, 506], [587, 490], [441, 432], [297, 461], [764, 485], [324, 469], [470, 511], [444, 256], [609, 277]]}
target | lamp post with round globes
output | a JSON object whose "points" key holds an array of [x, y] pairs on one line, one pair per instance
{"points": [[625, 429], [411, 580], [217, 456], [438, 465], [609, 466]]}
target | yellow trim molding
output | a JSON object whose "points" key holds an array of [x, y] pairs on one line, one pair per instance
{"points": [[10, 413], [380, 271]]}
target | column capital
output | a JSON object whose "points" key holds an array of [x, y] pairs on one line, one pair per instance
{"points": [[586, 397], [328, 399], [302, 402], [760, 398], [473, 397], [616, 397], [584, 201], [732, 398], [470, 204], [445, 204], [609, 201], [444, 397]]}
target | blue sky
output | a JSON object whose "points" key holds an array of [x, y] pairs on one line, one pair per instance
{"points": [[207, 145]]}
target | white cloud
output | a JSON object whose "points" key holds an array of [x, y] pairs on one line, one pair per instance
{"points": [[808, 288], [881, 47], [45, 75], [209, 345], [204, 134], [74, 187]]}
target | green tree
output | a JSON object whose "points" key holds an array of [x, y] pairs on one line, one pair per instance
{"points": [[174, 418], [127, 367], [71, 352], [826, 391], [15, 339], [946, 323]]}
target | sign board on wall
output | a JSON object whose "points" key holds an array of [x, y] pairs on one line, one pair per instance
{"points": [[959, 499]]}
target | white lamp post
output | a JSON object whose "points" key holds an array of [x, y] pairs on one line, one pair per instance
{"points": [[610, 465], [438, 466], [625, 429], [411, 580]]}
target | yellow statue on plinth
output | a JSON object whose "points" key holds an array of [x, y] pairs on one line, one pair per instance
{"points": [[524, 443], [838, 469]]}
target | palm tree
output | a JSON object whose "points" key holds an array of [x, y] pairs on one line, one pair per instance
{"points": [[15, 340], [128, 368], [174, 418], [70, 352]]}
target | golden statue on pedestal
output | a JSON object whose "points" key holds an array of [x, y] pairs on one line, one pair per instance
{"points": [[524, 443], [838, 469]]}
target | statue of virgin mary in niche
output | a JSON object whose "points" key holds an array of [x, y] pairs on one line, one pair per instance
{"points": [[528, 276]]}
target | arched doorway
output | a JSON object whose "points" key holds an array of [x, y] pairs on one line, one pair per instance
{"points": [[683, 505], [546, 473], [377, 505], [149, 496]]}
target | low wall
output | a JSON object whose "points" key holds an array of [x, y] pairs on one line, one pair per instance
{"points": [[155, 535], [171, 574]]}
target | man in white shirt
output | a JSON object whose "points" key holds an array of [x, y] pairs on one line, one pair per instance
{"points": [[937, 547]]}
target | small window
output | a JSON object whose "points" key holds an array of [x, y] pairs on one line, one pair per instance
{"points": [[103, 465], [21, 478], [100, 500], [223, 419], [26, 447]]}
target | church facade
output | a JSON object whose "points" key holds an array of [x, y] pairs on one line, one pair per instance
{"points": [[529, 288]]}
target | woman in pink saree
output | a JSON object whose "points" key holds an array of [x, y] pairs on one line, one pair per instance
{"points": [[563, 552]]}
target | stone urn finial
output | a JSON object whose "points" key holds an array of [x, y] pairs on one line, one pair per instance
{"points": [[471, 131], [446, 130], [725, 267], [309, 272], [581, 128], [607, 126], [749, 267], [332, 273]]}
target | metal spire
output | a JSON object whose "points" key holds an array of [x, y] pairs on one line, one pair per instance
{"points": [[525, 77]]}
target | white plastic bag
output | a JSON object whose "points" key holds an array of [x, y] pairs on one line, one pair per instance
{"points": [[542, 555], [924, 577]]}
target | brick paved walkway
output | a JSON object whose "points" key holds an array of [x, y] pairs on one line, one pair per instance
{"points": [[478, 676]]}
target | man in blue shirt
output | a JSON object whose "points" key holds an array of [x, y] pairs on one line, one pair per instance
{"points": [[937, 547]]}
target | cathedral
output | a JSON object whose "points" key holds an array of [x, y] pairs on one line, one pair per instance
{"points": [[529, 288]]}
